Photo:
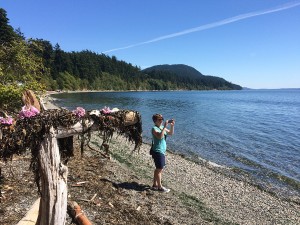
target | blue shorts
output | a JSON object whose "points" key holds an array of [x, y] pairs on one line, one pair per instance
{"points": [[159, 160]]}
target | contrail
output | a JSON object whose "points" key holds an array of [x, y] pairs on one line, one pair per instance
{"points": [[212, 25]]}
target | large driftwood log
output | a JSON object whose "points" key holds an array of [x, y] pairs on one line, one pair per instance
{"points": [[53, 204]]}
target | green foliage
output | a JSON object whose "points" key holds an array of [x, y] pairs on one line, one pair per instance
{"points": [[186, 77], [110, 82], [66, 81], [20, 69], [10, 98], [7, 33]]}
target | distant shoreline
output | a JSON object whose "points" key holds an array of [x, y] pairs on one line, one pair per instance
{"points": [[116, 91], [104, 91]]}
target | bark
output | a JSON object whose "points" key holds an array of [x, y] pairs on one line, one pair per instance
{"points": [[53, 205]]}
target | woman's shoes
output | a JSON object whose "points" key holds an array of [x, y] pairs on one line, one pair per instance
{"points": [[154, 188], [162, 189]]}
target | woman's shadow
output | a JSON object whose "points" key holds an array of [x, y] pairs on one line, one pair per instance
{"points": [[129, 185]]}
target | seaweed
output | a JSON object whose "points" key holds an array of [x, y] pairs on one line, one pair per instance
{"points": [[28, 133]]}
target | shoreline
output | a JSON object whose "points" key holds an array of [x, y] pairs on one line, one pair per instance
{"points": [[231, 199], [238, 201], [236, 173], [276, 183]]}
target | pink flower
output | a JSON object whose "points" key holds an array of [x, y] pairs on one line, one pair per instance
{"points": [[106, 110], [79, 111], [7, 120], [27, 112]]}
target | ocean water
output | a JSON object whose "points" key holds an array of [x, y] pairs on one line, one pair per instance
{"points": [[252, 132]]}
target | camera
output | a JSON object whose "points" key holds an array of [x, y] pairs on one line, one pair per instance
{"points": [[170, 121]]}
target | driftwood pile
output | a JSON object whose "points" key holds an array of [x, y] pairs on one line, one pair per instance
{"points": [[49, 137], [28, 133]]}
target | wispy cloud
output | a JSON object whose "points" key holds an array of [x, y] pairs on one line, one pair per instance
{"points": [[212, 25]]}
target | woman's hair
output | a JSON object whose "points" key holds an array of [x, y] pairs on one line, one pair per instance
{"points": [[155, 117]]}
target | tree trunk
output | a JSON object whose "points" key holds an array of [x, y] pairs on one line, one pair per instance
{"points": [[53, 204]]}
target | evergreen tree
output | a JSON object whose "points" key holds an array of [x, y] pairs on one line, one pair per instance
{"points": [[7, 33]]}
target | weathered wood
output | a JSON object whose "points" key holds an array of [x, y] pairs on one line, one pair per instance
{"points": [[78, 128], [53, 205], [77, 214], [32, 215]]}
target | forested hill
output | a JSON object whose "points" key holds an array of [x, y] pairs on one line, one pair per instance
{"points": [[38, 65], [188, 77]]}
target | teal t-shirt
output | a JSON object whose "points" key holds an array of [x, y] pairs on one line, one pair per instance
{"points": [[159, 145]]}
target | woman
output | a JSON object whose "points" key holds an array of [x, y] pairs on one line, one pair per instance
{"points": [[159, 147]]}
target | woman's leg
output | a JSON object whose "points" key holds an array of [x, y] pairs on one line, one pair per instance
{"points": [[157, 178]]}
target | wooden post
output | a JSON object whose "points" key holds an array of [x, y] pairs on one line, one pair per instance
{"points": [[53, 204]]}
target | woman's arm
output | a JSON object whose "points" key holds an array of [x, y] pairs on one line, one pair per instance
{"points": [[159, 135]]}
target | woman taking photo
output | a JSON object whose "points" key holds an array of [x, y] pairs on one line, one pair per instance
{"points": [[159, 146]]}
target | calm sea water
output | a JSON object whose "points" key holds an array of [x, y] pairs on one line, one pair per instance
{"points": [[254, 131]]}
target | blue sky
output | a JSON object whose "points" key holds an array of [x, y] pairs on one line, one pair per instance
{"points": [[253, 43]]}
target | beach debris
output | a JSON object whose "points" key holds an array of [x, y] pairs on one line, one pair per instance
{"points": [[115, 110], [95, 112], [77, 213], [27, 133], [79, 184], [31, 216], [82, 182], [51, 132], [130, 118], [94, 196]]}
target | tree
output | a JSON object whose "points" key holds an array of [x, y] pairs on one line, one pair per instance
{"points": [[7, 33], [20, 69]]}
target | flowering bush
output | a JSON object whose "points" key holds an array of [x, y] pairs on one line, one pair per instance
{"points": [[27, 112], [79, 111], [7, 120]]}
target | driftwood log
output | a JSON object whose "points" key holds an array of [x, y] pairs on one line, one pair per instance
{"points": [[54, 193], [53, 204]]}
